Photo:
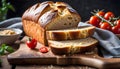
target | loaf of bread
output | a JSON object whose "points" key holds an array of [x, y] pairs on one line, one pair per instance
{"points": [[48, 16], [55, 24], [72, 46], [68, 34]]}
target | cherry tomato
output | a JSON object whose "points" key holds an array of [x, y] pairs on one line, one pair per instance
{"points": [[100, 13], [100, 24], [116, 29], [31, 43], [94, 20], [108, 15], [105, 26], [118, 22], [43, 49]]}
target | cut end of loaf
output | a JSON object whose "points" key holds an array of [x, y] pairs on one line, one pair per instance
{"points": [[64, 21], [72, 46]]}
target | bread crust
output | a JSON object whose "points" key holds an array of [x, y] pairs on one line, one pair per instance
{"points": [[47, 18], [35, 12], [77, 33]]}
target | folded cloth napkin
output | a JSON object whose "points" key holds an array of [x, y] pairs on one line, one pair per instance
{"points": [[109, 43], [11, 23]]}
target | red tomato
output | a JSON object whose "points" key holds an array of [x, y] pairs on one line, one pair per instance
{"points": [[105, 26], [100, 13], [31, 43], [100, 24], [94, 20], [118, 22], [108, 15], [43, 49], [116, 29]]}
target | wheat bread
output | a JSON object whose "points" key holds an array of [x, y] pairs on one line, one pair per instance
{"points": [[48, 16], [72, 46], [70, 33]]}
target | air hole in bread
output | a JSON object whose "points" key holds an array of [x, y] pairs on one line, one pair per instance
{"points": [[69, 17], [65, 23], [70, 23], [75, 20]]}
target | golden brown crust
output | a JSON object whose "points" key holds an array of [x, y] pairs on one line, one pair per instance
{"points": [[74, 35], [56, 36], [35, 12], [68, 6], [47, 18], [60, 51], [70, 34], [29, 12]]}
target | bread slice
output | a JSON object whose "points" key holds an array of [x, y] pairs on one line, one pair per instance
{"points": [[72, 46], [72, 33]]}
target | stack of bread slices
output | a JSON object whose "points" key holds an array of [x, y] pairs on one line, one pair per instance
{"points": [[56, 25], [70, 41]]}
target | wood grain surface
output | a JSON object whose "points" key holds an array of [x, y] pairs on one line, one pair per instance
{"points": [[26, 56], [6, 65]]}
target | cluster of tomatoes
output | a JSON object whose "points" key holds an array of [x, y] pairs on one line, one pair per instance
{"points": [[106, 21], [32, 43]]}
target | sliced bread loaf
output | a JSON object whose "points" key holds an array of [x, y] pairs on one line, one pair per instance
{"points": [[73, 33], [72, 46], [48, 16]]}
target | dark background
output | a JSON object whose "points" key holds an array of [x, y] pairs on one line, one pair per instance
{"points": [[84, 7]]}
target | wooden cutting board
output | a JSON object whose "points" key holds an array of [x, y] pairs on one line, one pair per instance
{"points": [[25, 55]]}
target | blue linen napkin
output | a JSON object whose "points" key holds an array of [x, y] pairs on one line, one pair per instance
{"points": [[109, 43], [11, 23]]}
